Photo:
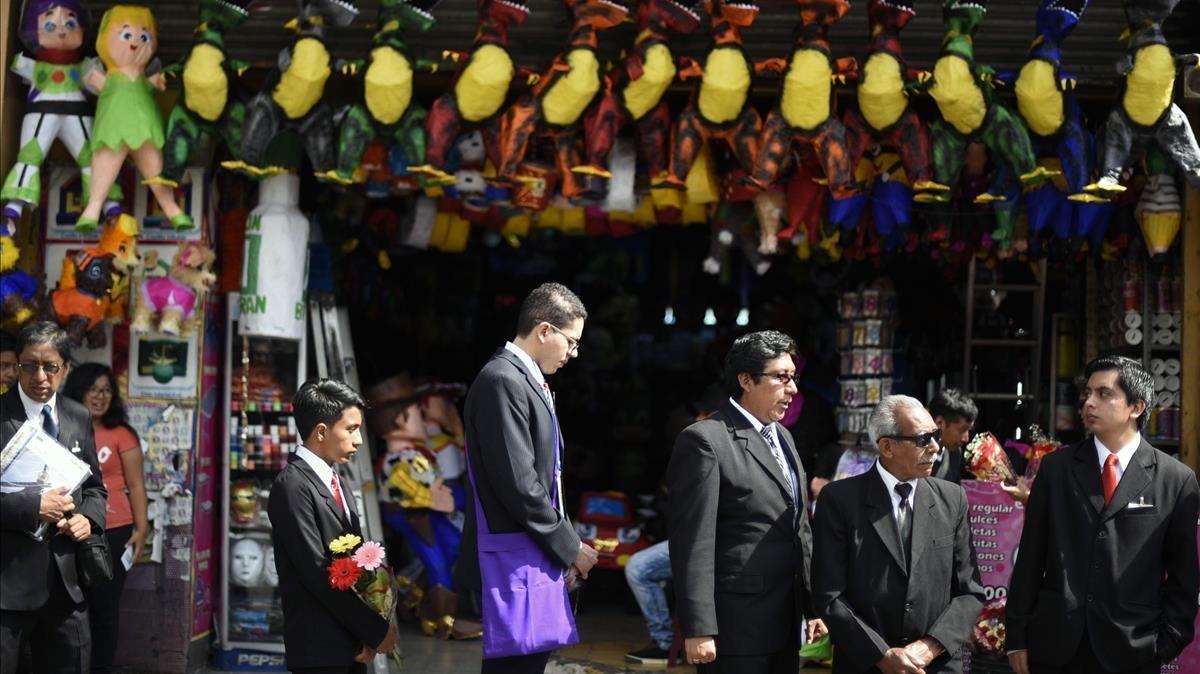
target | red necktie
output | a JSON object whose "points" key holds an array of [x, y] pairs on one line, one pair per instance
{"points": [[337, 493], [1109, 477]]}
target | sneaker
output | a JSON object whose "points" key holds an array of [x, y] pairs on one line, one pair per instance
{"points": [[650, 655]]}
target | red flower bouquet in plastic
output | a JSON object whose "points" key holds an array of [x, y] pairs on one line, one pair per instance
{"points": [[986, 460], [987, 635], [1041, 446]]}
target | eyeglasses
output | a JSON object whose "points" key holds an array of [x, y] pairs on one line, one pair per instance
{"points": [[105, 391], [922, 440], [50, 369], [572, 343], [784, 378]]}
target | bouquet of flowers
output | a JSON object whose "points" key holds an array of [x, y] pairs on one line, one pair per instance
{"points": [[986, 460], [987, 635], [1042, 445], [358, 566]]}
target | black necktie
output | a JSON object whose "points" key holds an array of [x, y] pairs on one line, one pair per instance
{"points": [[904, 518], [48, 424]]}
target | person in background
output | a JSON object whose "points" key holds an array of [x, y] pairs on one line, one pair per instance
{"points": [[954, 412], [42, 605], [120, 455], [648, 569], [8, 362], [894, 571], [1107, 577]]}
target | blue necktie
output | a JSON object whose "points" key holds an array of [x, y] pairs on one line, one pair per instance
{"points": [[48, 424]]}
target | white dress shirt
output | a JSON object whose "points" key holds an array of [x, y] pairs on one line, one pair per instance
{"points": [[33, 409], [890, 481], [325, 474], [758, 425], [1124, 455], [528, 361]]}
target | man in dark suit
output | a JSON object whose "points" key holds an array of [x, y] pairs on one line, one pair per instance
{"points": [[513, 447], [41, 602], [324, 630], [741, 543], [1106, 579], [954, 413], [894, 572]]}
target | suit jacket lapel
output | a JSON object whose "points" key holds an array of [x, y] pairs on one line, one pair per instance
{"points": [[923, 516], [537, 388], [754, 444], [1134, 481], [1085, 468], [14, 412], [323, 491], [879, 511]]}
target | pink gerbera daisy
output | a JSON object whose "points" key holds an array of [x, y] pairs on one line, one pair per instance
{"points": [[369, 556]]}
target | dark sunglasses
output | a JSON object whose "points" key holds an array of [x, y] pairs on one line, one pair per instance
{"points": [[922, 440], [50, 369]]}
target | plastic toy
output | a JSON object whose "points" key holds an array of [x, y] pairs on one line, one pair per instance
{"points": [[83, 295], [173, 299], [606, 523]]}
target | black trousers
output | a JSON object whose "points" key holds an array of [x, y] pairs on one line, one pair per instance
{"points": [[58, 635], [104, 604], [518, 664], [784, 661], [1085, 662]]}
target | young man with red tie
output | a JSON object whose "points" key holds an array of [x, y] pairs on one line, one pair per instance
{"points": [[325, 631], [1106, 580]]}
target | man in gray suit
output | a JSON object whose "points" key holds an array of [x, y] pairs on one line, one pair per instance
{"points": [[894, 572], [741, 543], [513, 444]]}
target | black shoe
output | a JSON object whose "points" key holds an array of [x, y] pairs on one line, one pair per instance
{"points": [[650, 655]]}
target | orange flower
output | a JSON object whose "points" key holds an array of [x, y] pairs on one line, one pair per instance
{"points": [[343, 573]]}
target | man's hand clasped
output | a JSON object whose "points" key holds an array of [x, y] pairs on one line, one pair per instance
{"points": [[700, 650]]}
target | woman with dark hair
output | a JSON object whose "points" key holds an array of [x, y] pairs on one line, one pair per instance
{"points": [[120, 455]]}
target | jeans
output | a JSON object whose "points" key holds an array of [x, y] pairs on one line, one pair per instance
{"points": [[646, 572]]}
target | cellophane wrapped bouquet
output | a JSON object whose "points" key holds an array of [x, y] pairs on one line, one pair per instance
{"points": [[358, 566], [1040, 447], [986, 460]]}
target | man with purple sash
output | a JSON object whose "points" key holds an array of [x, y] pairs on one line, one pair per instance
{"points": [[519, 547]]}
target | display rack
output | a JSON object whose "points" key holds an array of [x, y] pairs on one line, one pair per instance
{"points": [[866, 348], [260, 434]]}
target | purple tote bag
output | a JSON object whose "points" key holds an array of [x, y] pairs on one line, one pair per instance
{"points": [[525, 604]]}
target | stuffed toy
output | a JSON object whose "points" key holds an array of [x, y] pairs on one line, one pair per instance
{"points": [[293, 95], [479, 89], [720, 107], [734, 223], [56, 107], [173, 299], [1046, 103], [119, 237], [207, 102], [387, 110], [1145, 112], [83, 295], [127, 118], [19, 291], [556, 105], [804, 112], [964, 92], [636, 95], [884, 114]]}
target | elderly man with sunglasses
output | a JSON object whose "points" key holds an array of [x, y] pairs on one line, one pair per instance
{"points": [[894, 573]]}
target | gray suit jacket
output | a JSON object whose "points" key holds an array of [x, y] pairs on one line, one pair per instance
{"points": [[510, 446], [740, 547], [24, 562], [1126, 572], [868, 598]]}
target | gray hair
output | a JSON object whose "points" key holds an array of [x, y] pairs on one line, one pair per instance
{"points": [[883, 417]]}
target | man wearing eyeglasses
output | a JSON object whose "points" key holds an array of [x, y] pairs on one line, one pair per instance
{"points": [[741, 543], [519, 547], [894, 572], [41, 602]]}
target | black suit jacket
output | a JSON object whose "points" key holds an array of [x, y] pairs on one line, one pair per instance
{"points": [[322, 627], [867, 597], [510, 445], [1126, 574], [24, 562], [950, 466], [740, 548]]}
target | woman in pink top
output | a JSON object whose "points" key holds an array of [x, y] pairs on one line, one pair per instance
{"points": [[120, 455]]}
